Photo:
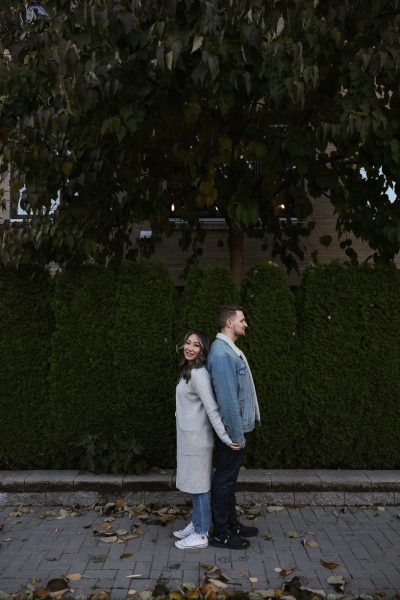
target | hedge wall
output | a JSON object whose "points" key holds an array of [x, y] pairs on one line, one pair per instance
{"points": [[207, 289], [349, 320], [82, 383], [270, 348], [145, 362], [88, 365], [26, 325]]}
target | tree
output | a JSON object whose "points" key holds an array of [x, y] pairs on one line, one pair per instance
{"points": [[236, 106]]}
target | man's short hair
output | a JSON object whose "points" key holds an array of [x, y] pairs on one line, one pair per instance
{"points": [[228, 311]]}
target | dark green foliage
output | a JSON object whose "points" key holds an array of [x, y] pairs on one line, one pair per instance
{"points": [[207, 289], [350, 341], [88, 365], [145, 365], [83, 387], [26, 324], [269, 346], [115, 454]]}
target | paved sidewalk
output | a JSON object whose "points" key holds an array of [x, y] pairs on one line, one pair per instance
{"points": [[364, 542]]}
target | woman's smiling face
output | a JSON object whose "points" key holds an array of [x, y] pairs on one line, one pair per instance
{"points": [[191, 348]]}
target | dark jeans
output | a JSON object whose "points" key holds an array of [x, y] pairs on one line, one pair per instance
{"points": [[223, 500]]}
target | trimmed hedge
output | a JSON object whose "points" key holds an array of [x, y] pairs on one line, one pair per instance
{"points": [[88, 365], [26, 325], [145, 359], [270, 347], [82, 382], [349, 321], [207, 289]]}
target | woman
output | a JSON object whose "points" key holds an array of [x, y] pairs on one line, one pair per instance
{"points": [[196, 416]]}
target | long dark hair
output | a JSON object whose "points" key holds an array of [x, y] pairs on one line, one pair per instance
{"points": [[185, 368]]}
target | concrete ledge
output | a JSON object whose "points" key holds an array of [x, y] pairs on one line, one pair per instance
{"points": [[290, 487]]}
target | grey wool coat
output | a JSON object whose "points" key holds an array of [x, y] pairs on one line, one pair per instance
{"points": [[196, 416]]}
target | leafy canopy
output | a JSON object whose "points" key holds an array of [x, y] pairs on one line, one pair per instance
{"points": [[128, 107]]}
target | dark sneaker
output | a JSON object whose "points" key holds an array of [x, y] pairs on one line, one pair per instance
{"points": [[243, 530], [229, 540]]}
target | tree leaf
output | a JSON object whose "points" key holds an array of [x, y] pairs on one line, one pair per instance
{"points": [[197, 42], [280, 26]]}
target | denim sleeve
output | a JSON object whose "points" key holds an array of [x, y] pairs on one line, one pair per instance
{"points": [[222, 369]]}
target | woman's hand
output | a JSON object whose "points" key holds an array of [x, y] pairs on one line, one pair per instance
{"points": [[235, 446]]}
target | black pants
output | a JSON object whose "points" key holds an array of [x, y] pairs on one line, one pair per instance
{"points": [[223, 500]]}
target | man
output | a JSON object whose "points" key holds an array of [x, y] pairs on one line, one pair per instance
{"points": [[237, 401]]}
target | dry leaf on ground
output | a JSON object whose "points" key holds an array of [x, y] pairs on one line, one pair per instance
{"points": [[329, 565], [284, 572], [74, 577], [294, 534], [338, 581]]}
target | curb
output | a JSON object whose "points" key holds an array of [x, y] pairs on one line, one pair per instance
{"points": [[320, 487]]}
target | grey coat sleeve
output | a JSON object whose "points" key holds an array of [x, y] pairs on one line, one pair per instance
{"points": [[201, 384]]}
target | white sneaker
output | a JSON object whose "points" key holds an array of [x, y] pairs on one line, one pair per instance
{"points": [[182, 533], [193, 541]]}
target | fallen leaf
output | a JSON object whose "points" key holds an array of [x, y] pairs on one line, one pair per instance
{"points": [[294, 534], [253, 579], [338, 581], [109, 540], [132, 592], [329, 565], [121, 532], [134, 576], [120, 504], [175, 596], [192, 594], [126, 555], [275, 508], [57, 585], [268, 537], [219, 584], [74, 577], [109, 508], [312, 544], [41, 593], [99, 596], [284, 572], [380, 508]]}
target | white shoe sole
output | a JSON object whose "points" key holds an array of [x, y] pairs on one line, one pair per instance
{"points": [[197, 547]]}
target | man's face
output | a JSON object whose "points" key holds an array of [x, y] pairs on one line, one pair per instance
{"points": [[238, 324]]}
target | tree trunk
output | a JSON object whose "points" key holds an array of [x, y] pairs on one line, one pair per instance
{"points": [[236, 250]]}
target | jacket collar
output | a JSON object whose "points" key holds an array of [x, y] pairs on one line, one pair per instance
{"points": [[224, 338]]}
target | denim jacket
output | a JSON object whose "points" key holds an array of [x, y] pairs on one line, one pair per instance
{"points": [[233, 389]]}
